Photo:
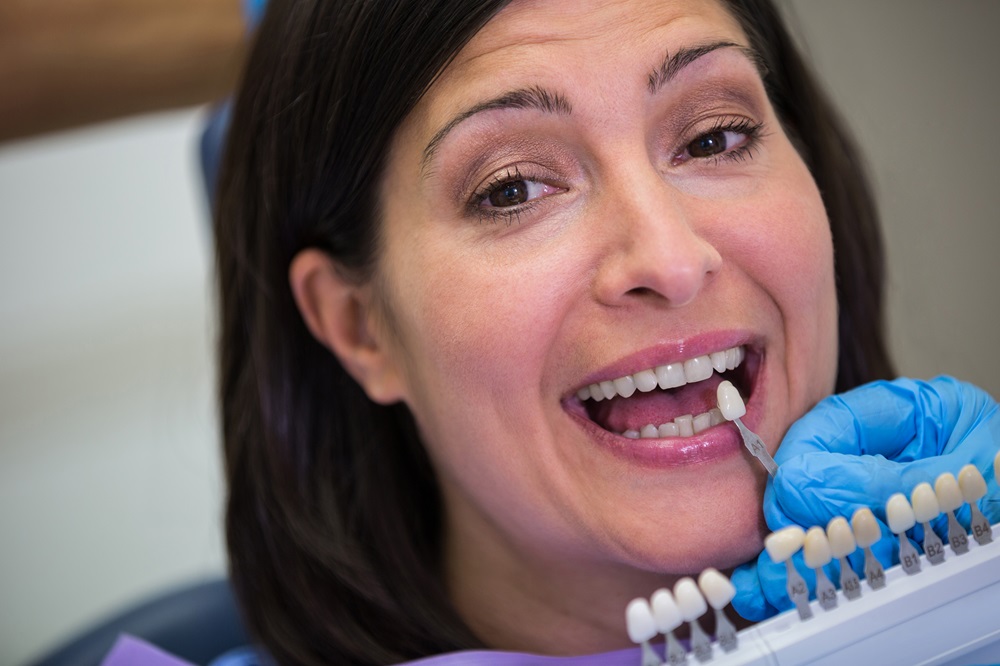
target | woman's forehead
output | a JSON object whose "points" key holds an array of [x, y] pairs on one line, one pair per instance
{"points": [[553, 38]]}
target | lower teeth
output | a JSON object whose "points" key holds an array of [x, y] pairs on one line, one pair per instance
{"points": [[682, 426]]}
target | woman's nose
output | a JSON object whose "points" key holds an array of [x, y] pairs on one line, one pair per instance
{"points": [[652, 248]]}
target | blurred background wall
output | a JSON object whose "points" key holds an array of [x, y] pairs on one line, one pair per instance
{"points": [[109, 471]]}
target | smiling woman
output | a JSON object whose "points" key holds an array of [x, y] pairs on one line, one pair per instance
{"points": [[482, 270]]}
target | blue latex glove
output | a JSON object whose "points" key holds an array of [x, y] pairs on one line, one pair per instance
{"points": [[857, 449]]}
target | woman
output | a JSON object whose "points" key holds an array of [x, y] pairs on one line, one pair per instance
{"points": [[456, 242]]}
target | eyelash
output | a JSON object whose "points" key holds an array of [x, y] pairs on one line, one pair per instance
{"points": [[753, 130], [498, 181]]}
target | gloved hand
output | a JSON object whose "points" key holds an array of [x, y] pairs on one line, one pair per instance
{"points": [[857, 449]]}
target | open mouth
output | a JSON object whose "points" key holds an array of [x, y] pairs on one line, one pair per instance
{"points": [[672, 400]]}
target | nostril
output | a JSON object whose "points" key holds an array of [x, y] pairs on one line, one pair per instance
{"points": [[642, 292]]}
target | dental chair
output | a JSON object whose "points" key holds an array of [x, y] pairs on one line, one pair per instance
{"points": [[197, 622]]}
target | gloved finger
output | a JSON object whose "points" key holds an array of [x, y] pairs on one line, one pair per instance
{"points": [[814, 488], [750, 601], [903, 420]]}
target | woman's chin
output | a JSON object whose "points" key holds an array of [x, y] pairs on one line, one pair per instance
{"points": [[721, 531]]}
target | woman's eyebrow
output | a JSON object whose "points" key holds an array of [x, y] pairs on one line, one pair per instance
{"points": [[672, 64], [523, 98]]}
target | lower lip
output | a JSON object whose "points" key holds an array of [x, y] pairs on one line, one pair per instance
{"points": [[709, 446]]}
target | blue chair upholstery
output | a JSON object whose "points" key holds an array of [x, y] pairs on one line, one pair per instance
{"points": [[198, 623]]}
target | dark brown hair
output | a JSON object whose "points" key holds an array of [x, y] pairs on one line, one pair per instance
{"points": [[333, 516]]}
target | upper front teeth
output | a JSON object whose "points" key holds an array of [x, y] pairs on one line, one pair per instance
{"points": [[666, 376]]}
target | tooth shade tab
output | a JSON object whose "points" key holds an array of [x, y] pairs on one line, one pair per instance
{"points": [[718, 589], [925, 503], [865, 527], [972, 483], [840, 536], [668, 376], [899, 514], [948, 493], [731, 404], [816, 548], [689, 599], [784, 543], [666, 613], [639, 621]]}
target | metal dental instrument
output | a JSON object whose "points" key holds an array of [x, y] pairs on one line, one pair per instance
{"points": [[732, 407]]}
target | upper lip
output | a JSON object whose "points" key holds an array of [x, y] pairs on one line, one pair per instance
{"points": [[671, 353]]}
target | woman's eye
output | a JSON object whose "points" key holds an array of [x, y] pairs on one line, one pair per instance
{"points": [[715, 143], [514, 192]]}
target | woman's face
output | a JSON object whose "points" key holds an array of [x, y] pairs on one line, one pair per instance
{"points": [[590, 192]]}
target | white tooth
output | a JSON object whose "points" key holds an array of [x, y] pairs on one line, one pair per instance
{"points": [[948, 493], [718, 361], [665, 611], [670, 376], [701, 422], [685, 425], [841, 538], [731, 358], [645, 381], [717, 588], [740, 355], [784, 543], [631, 434], [697, 369], [925, 503], [625, 386], [865, 527], [649, 432], [668, 430], [899, 514], [972, 483], [717, 416], [596, 393], [689, 599], [584, 393], [816, 548], [639, 621], [730, 403], [608, 389]]}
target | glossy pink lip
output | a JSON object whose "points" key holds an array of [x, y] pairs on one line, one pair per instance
{"points": [[712, 445]]}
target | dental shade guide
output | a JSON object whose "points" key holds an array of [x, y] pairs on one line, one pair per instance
{"points": [[641, 629], [973, 486], [719, 591], [899, 514], [818, 554], [950, 498], [692, 606], [842, 544], [926, 509], [944, 615], [781, 546], [732, 407], [867, 533], [667, 616]]}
